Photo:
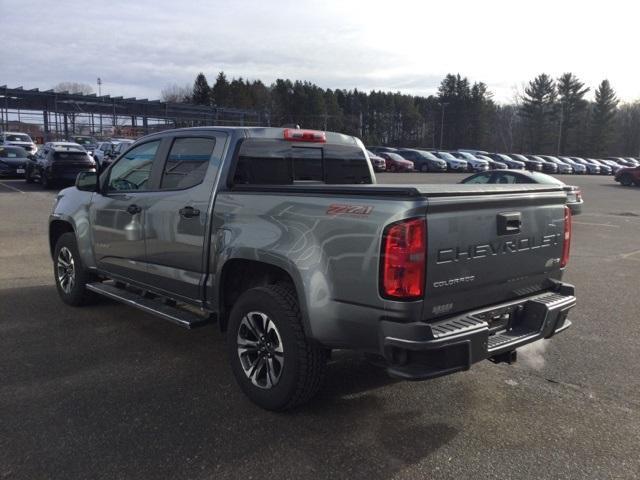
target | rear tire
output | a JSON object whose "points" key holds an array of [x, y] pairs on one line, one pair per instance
{"points": [[70, 274], [424, 168], [274, 363]]}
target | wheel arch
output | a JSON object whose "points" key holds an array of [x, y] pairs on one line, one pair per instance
{"points": [[57, 228], [239, 274]]}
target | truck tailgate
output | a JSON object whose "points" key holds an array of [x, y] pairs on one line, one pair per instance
{"points": [[491, 247]]}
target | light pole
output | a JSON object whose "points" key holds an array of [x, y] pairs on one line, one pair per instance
{"points": [[560, 132], [443, 105]]}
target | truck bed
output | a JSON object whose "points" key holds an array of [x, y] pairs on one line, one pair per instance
{"points": [[401, 191]]}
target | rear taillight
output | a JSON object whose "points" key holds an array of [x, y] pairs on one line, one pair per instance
{"points": [[404, 247], [298, 135], [566, 244]]}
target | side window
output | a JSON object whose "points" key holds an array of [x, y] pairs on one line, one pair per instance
{"points": [[187, 163], [520, 179], [507, 178], [131, 172], [481, 178]]}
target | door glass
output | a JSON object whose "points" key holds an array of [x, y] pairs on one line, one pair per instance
{"points": [[483, 178], [506, 178], [132, 172], [187, 163]]}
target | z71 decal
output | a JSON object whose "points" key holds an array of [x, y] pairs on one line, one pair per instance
{"points": [[349, 209]]}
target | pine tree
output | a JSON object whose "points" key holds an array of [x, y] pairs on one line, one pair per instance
{"points": [[201, 90], [454, 96], [604, 111], [538, 110], [221, 94], [571, 92], [260, 96], [481, 109], [628, 124]]}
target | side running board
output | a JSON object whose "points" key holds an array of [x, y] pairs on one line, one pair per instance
{"points": [[154, 306]]}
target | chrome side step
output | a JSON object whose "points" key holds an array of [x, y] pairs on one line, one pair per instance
{"points": [[157, 307]]}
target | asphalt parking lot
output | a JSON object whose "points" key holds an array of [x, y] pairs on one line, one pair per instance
{"points": [[109, 392]]}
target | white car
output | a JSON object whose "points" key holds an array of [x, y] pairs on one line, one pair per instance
{"points": [[453, 163], [475, 164], [120, 147], [104, 149], [18, 139]]}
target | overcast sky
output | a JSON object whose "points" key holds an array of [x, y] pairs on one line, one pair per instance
{"points": [[139, 46]]}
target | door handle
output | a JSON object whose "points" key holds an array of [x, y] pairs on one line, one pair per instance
{"points": [[133, 209], [189, 212]]}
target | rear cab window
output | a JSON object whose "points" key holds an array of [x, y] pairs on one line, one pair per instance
{"points": [[276, 162]]}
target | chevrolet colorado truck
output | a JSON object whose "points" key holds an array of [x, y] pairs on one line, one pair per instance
{"points": [[283, 238]]}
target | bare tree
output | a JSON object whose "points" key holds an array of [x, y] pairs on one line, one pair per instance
{"points": [[174, 93], [73, 87]]}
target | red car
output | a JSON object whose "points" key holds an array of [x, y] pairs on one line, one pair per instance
{"points": [[628, 176], [396, 163]]}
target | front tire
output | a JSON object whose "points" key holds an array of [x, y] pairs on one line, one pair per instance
{"points": [[44, 180], [27, 175], [626, 180], [70, 275], [273, 362]]}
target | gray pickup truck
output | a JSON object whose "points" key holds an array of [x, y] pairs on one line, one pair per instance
{"points": [[283, 238]]}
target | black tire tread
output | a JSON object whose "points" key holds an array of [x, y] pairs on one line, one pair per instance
{"points": [[313, 358], [84, 296], [626, 180]]}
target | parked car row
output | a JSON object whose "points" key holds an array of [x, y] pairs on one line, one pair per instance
{"points": [[467, 160], [56, 162]]}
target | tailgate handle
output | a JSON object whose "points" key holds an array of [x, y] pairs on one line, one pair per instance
{"points": [[509, 223]]}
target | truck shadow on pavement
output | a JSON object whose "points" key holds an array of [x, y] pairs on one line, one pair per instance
{"points": [[108, 391]]}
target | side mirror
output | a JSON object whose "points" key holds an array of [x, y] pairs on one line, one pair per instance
{"points": [[87, 181]]}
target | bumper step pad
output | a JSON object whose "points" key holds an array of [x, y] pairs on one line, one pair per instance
{"points": [[420, 350]]}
